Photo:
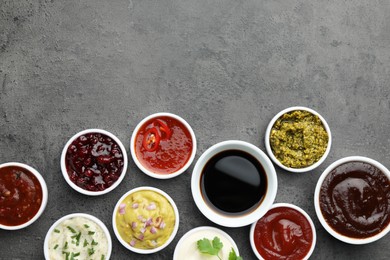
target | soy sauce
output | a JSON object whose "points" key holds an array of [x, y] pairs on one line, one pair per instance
{"points": [[233, 182]]}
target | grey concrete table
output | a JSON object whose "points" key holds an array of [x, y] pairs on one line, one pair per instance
{"points": [[226, 66]]}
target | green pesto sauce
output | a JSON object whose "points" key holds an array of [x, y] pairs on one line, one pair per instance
{"points": [[298, 139]]}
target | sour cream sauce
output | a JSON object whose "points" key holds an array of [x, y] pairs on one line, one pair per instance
{"points": [[80, 237]]}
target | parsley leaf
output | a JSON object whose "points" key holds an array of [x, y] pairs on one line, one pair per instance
{"points": [[233, 255], [205, 246]]}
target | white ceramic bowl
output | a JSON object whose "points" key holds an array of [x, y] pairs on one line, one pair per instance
{"points": [[198, 233], [288, 205], [138, 250], [83, 215], [150, 172], [44, 195], [65, 172], [245, 218], [324, 223], [268, 144]]}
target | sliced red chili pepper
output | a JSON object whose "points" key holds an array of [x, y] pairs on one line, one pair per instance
{"points": [[151, 140], [164, 128]]}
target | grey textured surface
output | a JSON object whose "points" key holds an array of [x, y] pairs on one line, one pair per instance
{"points": [[226, 66]]}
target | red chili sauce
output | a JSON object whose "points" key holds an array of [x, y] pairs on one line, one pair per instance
{"points": [[94, 161], [163, 145], [355, 200], [283, 233], [20, 195]]}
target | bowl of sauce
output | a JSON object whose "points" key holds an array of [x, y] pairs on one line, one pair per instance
{"points": [[23, 195], [352, 200], [298, 139], [163, 145], [284, 232], [94, 162], [145, 220], [187, 247], [234, 183], [78, 236]]}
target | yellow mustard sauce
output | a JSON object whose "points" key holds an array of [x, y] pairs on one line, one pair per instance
{"points": [[145, 219]]}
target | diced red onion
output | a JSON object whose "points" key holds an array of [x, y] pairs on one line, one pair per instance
{"points": [[135, 205], [122, 208], [162, 225], [141, 237], [149, 222], [142, 230], [132, 242], [153, 230], [133, 225], [151, 206]]}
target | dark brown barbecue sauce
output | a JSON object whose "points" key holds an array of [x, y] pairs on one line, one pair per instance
{"points": [[355, 199]]}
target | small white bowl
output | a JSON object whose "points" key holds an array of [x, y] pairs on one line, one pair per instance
{"points": [[65, 172], [139, 250], [150, 172], [324, 223], [83, 215], [246, 218], [288, 205], [268, 144], [44, 195], [197, 234]]}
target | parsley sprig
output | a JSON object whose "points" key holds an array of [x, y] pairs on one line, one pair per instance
{"points": [[205, 246]]}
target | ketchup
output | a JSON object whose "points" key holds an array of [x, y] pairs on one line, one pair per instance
{"points": [[20, 195], [283, 233], [163, 145]]}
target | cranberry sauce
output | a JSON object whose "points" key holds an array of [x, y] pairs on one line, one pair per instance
{"points": [[94, 161]]}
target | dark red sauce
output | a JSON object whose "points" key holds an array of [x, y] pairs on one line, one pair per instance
{"points": [[20, 195], [355, 199], [168, 150], [283, 233], [94, 161]]}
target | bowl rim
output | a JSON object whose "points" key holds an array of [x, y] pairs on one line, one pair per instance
{"points": [[72, 215], [201, 228], [268, 145], [171, 237], [234, 221], [300, 210], [149, 172], [44, 195], [327, 227], [65, 172]]}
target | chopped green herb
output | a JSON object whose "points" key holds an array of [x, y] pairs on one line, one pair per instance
{"points": [[56, 246], [77, 238], [91, 251], [86, 226], [66, 255], [73, 255], [66, 245], [56, 230], [102, 258], [94, 243], [71, 229], [85, 243], [91, 233]]}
